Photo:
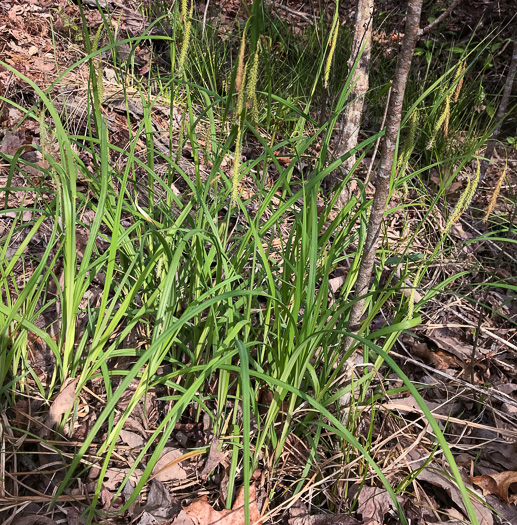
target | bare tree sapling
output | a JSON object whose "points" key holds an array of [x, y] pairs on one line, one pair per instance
{"points": [[386, 166], [351, 118]]}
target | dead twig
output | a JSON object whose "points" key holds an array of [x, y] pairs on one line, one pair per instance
{"points": [[487, 331], [487, 391], [440, 19], [306, 16]]}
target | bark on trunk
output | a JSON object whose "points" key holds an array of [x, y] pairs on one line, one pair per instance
{"points": [[503, 106], [351, 118], [386, 164]]}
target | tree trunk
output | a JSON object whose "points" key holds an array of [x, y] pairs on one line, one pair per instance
{"points": [[351, 118], [386, 165], [499, 118]]}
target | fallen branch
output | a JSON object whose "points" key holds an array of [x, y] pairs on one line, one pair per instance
{"points": [[490, 392], [440, 19], [310, 18]]}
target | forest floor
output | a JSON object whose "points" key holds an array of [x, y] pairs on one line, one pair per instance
{"points": [[466, 353]]}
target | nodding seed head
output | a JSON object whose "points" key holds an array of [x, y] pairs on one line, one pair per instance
{"points": [[186, 35], [331, 53], [240, 65], [458, 77], [447, 112], [465, 198], [495, 194], [251, 90]]}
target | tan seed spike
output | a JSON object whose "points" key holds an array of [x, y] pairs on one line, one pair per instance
{"points": [[240, 65], [495, 194], [331, 53], [447, 112], [252, 85], [459, 74], [186, 37], [236, 166]]}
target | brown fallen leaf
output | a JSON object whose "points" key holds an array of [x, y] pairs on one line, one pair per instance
{"points": [[182, 519], [43, 65], [454, 514], [442, 481], [34, 519], [132, 439], [502, 484], [373, 504], [437, 359], [73, 516], [215, 457], [337, 282], [452, 345], [285, 161], [202, 513], [113, 477], [500, 455], [299, 515], [168, 467], [26, 215], [61, 405], [12, 143], [510, 390], [158, 508]]}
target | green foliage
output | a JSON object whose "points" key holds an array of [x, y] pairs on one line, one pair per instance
{"points": [[223, 293]]}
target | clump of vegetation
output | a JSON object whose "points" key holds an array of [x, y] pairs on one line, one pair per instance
{"points": [[178, 283]]}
